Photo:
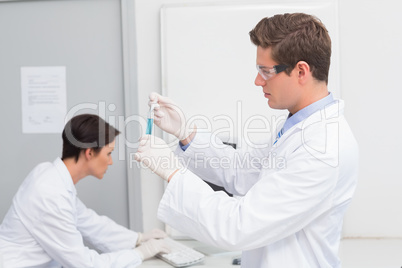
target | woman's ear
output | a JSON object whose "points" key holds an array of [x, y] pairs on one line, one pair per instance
{"points": [[89, 152]]}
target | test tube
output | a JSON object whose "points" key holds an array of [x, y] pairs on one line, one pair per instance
{"points": [[150, 123]]}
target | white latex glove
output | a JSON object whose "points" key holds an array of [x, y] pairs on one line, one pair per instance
{"points": [[155, 154], [155, 233], [169, 117], [152, 247]]}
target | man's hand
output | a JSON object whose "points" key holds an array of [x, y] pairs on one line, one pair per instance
{"points": [[154, 153], [169, 117]]}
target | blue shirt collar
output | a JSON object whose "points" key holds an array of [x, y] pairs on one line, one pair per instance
{"points": [[306, 112]]}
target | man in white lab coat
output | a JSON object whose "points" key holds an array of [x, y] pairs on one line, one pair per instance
{"points": [[47, 223], [292, 194]]}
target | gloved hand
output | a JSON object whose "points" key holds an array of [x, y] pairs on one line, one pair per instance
{"points": [[152, 247], [155, 233], [154, 153], [169, 117]]}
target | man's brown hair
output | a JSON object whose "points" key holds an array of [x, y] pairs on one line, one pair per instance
{"points": [[296, 37]]}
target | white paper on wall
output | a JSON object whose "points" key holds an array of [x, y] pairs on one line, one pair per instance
{"points": [[44, 105]]}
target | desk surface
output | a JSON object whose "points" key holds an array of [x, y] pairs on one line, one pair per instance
{"points": [[354, 253], [218, 259]]}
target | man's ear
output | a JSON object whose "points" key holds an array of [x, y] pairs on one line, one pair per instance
{"points": [[303, 71]]}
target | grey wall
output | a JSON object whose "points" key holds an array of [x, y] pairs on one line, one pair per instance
{"points": [[86, 37]]}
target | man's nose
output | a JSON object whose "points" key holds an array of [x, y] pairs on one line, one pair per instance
{"points": [[259, 81]]}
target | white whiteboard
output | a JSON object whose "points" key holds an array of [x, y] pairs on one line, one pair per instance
{"points": [[208, 63]]}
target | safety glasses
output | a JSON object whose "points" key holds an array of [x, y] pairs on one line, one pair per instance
{"points": [[268, 72]]}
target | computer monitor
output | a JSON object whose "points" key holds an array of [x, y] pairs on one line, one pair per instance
{"points": [[220, 188]]}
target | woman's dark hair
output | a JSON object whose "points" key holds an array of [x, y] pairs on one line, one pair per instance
{"points": [[86, 131]]}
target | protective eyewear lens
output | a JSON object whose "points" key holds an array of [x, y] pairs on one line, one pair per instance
{"points": [[267, 72]]}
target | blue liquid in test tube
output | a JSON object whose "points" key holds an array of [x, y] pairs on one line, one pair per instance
{"points": [[150, 120], [149, 126]]}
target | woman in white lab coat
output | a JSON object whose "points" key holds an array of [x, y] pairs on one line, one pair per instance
{"points": [[294, 192], [47, 223]]}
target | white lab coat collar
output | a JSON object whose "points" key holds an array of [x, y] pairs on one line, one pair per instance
{"points": [[65, 175], [331, 111]]}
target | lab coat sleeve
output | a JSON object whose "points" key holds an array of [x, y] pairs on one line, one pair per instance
{"points": [[102, 232], [278, 205], [222, 165], [54, 228]]}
